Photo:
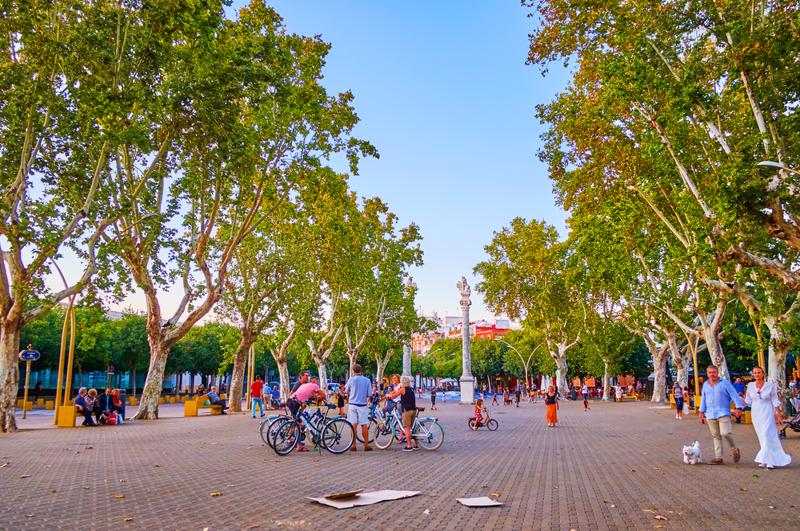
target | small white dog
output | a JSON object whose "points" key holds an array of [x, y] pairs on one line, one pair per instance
{"points": [[691, 454]]}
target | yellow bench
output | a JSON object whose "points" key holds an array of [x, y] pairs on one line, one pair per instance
{"points": [[192, 407], [630, 397], [132, 400], [49, 404]]}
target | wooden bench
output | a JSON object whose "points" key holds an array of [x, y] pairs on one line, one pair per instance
{"points": [[630, 397], [192, 406]]}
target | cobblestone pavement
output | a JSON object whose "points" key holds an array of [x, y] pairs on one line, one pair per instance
{"points": [[617, 466]]}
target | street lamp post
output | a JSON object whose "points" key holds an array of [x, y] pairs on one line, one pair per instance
{"points": [[525, 363]]}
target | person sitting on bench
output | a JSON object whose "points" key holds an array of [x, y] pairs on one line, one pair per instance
{"points": [[84, 407], [215, 400]]}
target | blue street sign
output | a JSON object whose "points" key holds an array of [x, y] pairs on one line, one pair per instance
{"points": [[29, 355]]}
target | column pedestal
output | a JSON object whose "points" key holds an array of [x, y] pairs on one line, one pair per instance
{"points": [[467, 390]]}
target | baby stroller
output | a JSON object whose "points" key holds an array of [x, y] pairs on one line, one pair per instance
{"points": [[793, 424]]}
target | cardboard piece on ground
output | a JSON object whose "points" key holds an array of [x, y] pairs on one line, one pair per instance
{"points": [[483, 501], [365, 498], [344, 495]]}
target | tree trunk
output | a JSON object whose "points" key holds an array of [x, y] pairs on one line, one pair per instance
{"points": [[9, 373], [148, 404], [778, 349], [606, 382], [237, 378], [660, 356], [560, 358], [322, 370], [134, 380], [681, 360], [381, 368], [352, 355], [283, 374]]}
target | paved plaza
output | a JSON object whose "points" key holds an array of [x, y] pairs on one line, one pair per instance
{"points": [[617, 466]]}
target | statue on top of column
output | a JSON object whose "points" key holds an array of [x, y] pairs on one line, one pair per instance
{"points": [[465, 290]]}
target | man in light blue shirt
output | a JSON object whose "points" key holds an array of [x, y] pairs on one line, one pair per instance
{"points": [[715, 408], [359, 388]]}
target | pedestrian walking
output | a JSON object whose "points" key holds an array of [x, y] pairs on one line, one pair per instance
{"points": [[494, 398], [551, 401], [433, 399], [517, 395], [677, 393], [762, 397], [256, 392], [715, 401], [585, 393]]}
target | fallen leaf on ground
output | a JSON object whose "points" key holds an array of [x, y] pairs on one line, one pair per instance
{"points": [[771, 506], [4, 465], [156, 466], [30, 515], [484, 486], [660, 517], [432, 494], [25, 476], [85, 488], [351, 517], [756, 476], [648, 510], [742, 489], [231, 485], [123, 480], [496, 494], [426, 511], [127, 519], [216, 494], [119, 496], [90, 447], [613, 506]]}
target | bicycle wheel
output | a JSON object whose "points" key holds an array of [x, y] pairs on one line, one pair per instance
{"points": [[492, 425], [473, 425], [286, 436], [384, 435], [372, 429], [429, 434], [268, 425], [338, 436]]}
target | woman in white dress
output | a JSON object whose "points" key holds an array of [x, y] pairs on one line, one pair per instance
{"points": [[762, 397]]}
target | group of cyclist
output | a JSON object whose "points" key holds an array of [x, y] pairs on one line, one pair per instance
{"points": [[361, 396]]}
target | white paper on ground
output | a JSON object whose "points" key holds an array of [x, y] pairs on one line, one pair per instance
{"points": [[483, 501], [366, 498]]}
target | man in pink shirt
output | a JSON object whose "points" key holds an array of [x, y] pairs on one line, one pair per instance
{"points": [[304, 393]]}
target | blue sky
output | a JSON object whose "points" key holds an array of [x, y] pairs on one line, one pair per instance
{"points": [[443, 92]]}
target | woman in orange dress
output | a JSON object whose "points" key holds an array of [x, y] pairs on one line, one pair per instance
{"points": [[551, 402]]}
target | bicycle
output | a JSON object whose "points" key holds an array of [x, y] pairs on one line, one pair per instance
{"points": [[335, 434], [488, 422], [427, 431], [265, 428]]}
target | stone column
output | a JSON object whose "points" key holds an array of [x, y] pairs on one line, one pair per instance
{"points": [[407, 360], [467, 380]]}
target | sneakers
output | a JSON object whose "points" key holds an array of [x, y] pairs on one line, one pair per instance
{"points": [[407, 449], [368, 448], [736, 455], [716, 461]]}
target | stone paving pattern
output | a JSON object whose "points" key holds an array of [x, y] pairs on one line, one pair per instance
{"points": [[617, 466]]}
